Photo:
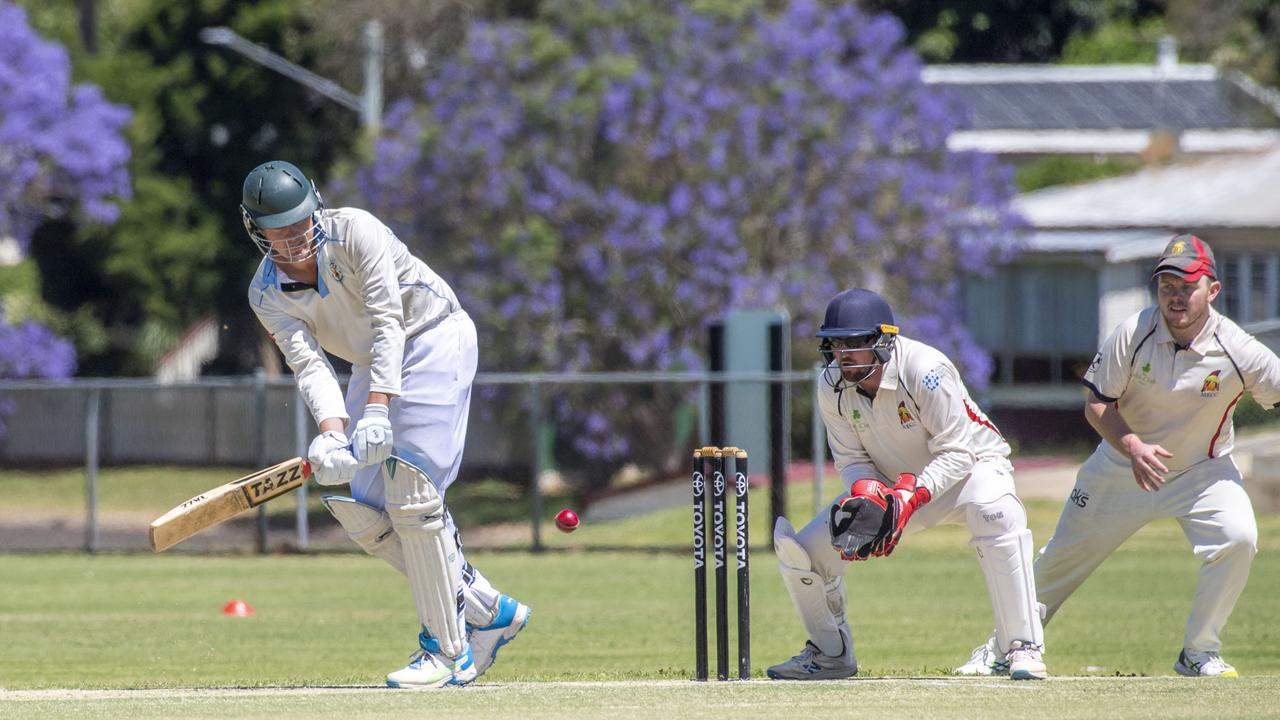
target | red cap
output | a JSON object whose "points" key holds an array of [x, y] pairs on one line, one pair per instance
{"points": [[1188, 257]]}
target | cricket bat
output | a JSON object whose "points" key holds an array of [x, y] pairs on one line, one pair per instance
{"points": [[226, 501]]}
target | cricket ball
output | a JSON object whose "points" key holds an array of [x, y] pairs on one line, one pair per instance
{"points": [[567, 520]]}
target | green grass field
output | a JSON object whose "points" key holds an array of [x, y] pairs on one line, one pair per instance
{"points": [[142, 636]]}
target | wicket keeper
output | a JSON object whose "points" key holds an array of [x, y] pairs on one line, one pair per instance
{"points": [[909, 441], [338, 280]]}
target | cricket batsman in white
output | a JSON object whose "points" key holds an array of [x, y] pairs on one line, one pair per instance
{"points": [[1161, 392], [338, 280], [910, 443]]}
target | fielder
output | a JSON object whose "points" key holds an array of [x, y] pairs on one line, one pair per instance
{"points": [[340, 281], [1161, 392], [897, 409]]}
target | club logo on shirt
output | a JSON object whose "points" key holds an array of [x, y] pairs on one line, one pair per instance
{"points": [[334, 271], [1211, 385], [858, 423], [904, 416], [1144, 377], [933, 379], [1093, 365]]}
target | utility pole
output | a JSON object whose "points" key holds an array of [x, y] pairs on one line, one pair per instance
{"points": [[368, 104]]}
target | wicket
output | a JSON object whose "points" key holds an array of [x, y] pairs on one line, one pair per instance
{"points": [[734, 460]]}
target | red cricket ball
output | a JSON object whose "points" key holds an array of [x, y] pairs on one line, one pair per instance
{"points": [[567, 520]]}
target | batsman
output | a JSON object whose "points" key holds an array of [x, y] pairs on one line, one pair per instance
{"points": [[340, 281], [915, 451]]}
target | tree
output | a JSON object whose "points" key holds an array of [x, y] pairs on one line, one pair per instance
{"points": [[62, 155], [601, 183]]}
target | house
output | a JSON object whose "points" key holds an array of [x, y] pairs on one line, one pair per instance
{"points": [[1088, 261]]}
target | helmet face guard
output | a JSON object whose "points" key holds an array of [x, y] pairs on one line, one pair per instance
{"points": [[839, 345], [293, 248]]}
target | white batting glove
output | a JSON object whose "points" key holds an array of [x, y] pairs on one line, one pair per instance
{"points": [[371, 441], [331, 460]]}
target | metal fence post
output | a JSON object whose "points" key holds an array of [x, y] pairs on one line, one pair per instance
{"points": [[819, 431], [300, 445], [539, 460], [260, 413], [91, 469]]}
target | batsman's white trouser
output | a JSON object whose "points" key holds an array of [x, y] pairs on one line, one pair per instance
{"points": [[1107, 506], [429, 418], [986, 502]]}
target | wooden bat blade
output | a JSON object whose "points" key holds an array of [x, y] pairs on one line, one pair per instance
{"points": [[226, 501]]}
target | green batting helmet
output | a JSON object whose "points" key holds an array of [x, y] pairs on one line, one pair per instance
{"points": [[277, 194]]}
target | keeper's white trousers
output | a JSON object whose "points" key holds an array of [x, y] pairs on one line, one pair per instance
{"points": [[1107, 506], [429, 421]]}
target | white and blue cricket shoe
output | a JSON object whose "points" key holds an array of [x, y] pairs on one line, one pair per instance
{"points": [[428, 668], [487, 640], [811, 664]]}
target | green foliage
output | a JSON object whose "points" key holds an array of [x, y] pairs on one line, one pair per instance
{"points": [[1250, 414], [1068, 169], [1124, 40]]}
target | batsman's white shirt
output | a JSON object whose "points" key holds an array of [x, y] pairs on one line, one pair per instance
{"points": [[921, 421], [371, 294]]}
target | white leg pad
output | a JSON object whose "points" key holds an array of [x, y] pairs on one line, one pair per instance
{"points": [[820, 602], [433, 562], [369, 527], [1006, 564]]}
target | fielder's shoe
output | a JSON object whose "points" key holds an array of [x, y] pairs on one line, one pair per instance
{"points": [[1203, 664], [985, 660], [428, 668], [1025, 662], [487, 640], [811, 664]]}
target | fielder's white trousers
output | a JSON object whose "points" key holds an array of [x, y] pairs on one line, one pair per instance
{"points": [[429, 420], [1107, 506]]}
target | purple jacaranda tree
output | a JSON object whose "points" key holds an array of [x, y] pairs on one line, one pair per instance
{"points": [[600, 184], [62, 151]]}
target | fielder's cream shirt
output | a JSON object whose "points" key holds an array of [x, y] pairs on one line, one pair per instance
{"points": [[921, 421], [371, 294], [1181, 398]]}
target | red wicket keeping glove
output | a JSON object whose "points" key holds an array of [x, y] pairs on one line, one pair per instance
{"points": [[903, 500]]}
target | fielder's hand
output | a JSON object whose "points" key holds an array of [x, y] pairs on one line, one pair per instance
{"points": [[371, 441], [902, 502], [331, 460], [1148, 471], [856, 518]]}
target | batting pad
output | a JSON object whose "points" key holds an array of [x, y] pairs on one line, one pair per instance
{"points": [[1006, 564], [369, 527], [433, 562], [821, 603]]}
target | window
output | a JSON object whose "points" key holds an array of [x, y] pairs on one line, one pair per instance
{"points": [[1251, 286]]}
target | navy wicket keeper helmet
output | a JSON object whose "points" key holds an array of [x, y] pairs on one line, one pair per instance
{"points": [[862, 320]]}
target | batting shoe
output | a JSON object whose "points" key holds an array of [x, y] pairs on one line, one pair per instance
{"points": [[811, 664], [1026, 661], [985, 660], [1203, 664], [428, 668], [487, 640]]}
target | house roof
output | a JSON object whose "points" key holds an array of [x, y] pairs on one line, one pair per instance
{"points": [[1105, 97], [1231, 191], [1113, 245]]}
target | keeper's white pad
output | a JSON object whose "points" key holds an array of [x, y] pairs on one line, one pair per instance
{"points": [[1006, 561], [369, 527], [821, 603], [432, 560]]}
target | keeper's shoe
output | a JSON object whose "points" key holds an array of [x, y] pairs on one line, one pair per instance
{"points": [[1203, 664], [487, 640], [428, 668], [811, 664], [1026, 661]]}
